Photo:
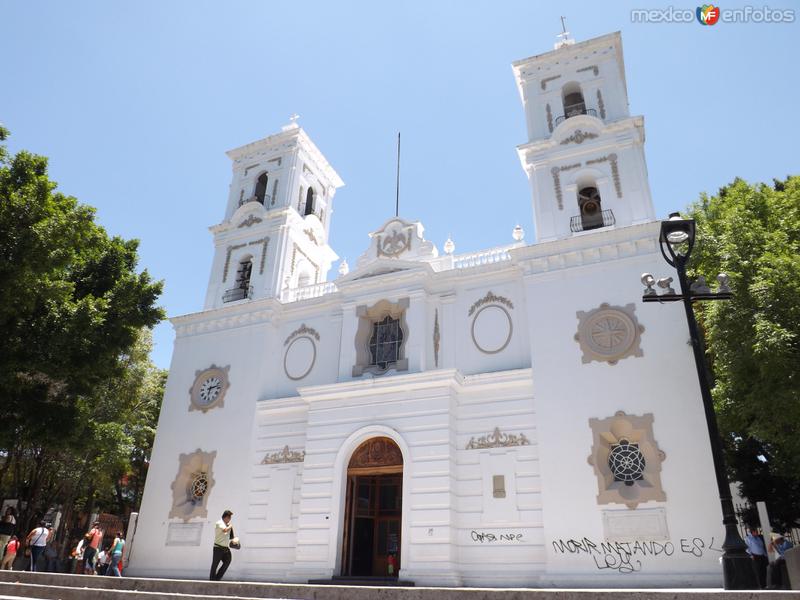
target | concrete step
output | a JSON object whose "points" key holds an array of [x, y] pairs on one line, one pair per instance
{"points": [[361, 581], [52, 586]]}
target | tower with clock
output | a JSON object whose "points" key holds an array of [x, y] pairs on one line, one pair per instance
{"points": [[493, 418]]}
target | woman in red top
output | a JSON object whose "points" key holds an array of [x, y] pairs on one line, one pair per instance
{"points": [[11, 553]]}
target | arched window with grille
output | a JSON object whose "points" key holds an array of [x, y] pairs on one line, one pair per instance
{"points": [[261, 188], [572, 97], [241, 286], [590, 207]]}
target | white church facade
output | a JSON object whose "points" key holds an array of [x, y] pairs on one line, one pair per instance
{"points": [[510, 417]]}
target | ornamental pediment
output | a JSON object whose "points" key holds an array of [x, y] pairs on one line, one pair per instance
{"points": [[383, 266], [398, 239]]}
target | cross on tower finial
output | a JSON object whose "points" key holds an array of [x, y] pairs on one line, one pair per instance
{"points": [[294, 116], [564, 39]]}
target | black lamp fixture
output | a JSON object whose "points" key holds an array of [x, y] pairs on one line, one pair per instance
{"points": [[677, 240]]}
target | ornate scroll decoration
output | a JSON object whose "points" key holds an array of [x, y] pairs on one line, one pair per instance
{"points": [[376, 452], [546, 80], [611, 158], [284, 456], [497, 439], [609, 333], [274, 189], [549, 113], [250, 220], [436, 339], [302, 330], [590, 68], [578, 137], [192, 485], [278, 160], [489, 298], [394, 243], [265, 242], [311, 236], [626, 460], [601, 105], [556, 173]]}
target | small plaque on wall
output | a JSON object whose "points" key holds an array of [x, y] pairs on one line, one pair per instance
{"points": [[640, 524], [184, 534]]}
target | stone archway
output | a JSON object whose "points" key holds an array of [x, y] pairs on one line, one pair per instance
{"points": [[373, 510]]}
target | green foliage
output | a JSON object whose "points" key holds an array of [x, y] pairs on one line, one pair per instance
{"points": [[80, 397], [752, 233]]}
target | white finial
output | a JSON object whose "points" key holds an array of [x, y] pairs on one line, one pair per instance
{"points": [[449, 246], [292, 122], [344, 268], [518, 233]]}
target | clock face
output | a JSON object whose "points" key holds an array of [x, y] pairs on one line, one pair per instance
{"points": [[210, 390]]}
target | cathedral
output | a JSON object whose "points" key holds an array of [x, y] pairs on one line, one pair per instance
{"points": [[510, 417]]}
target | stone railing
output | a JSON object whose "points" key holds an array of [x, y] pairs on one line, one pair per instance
{"points": [[484, 257], [308, 291]]}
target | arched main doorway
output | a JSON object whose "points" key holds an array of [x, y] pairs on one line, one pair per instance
{"points": [[373, 510]]}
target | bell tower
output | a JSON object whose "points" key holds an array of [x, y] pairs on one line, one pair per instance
{"points": [[275, 232], [585, 153]]}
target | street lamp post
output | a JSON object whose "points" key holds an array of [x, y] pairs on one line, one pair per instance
{"points": [[677, 240]]}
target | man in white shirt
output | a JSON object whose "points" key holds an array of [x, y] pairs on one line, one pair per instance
{"points": [[222, 550]]}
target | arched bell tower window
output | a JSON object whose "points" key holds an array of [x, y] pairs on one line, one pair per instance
{"points": [[241, 287], [261, 188], [309, 209], [589, 204], [574, 103]]}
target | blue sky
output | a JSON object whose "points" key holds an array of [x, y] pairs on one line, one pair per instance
{"points": [[136, 103]]}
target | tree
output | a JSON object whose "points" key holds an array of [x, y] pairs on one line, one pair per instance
{"points": [[72, 309], [752, 233]]}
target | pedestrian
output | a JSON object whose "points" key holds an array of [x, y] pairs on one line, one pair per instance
{"points": [[758, 553], [8, 525], [116, 550], [777, 575], [92, 541], [37, 541], [223, 532], [11, 553]]}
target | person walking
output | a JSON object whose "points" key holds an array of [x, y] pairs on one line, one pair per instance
{"points": [[758, 553], [8, 525], [37, 540], [116, 550], [92, 542], [223, 531], [11, 553]]}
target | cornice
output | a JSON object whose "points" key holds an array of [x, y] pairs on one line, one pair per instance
{"points": [[578, 251], [226, 317]]}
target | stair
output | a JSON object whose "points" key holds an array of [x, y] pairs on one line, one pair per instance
{"points": [[363, 580]]}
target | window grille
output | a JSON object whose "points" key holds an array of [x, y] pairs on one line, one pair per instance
{"points": [[384, 345]]}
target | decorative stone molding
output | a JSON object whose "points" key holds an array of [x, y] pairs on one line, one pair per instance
{"points": [[612, 159], [549, 114], [192, 485], [284, 455], [311, 236], [491, 329], [250, 220], [398, 239], [556, 172], [394, 243], [601, 105], [375, 453], [373, 314], [436, 339], [609, 333], [578, 137], [497, 439], [489, 298], [231, 249], [547, 80], [297, 251], [590, 68], [302, 330], [208, 389], [626, 460]]}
